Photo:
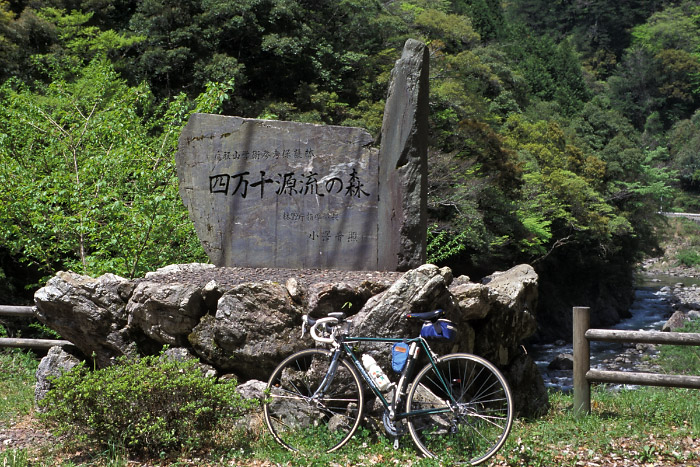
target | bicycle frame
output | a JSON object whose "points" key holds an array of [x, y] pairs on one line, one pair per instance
{"points": [[457, 407], [343, 347]]}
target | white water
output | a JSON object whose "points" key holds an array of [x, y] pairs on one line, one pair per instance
{"points": [[650, 310]]}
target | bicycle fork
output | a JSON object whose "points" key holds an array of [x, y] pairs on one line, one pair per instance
{"points": [[328, 378]]}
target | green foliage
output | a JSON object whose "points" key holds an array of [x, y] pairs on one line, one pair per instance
{"points": [[14, 458], [684, 150], [552, 70], [443, 245], [147, 405], [77, 43], [688, 257], [89, 185], [454, 30]]}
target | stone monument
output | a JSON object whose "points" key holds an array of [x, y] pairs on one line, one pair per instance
{"points": [[277, 194], [267, 193], [403, 182]]}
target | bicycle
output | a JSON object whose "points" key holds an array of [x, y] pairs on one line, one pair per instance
{"points": [[458, 408]]}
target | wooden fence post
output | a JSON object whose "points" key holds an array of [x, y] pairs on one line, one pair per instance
{"points": [[582, 362]]}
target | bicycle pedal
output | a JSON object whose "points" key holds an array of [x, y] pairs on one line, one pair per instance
{"points": [[396, 444]]}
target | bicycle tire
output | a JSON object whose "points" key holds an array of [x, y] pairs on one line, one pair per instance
{"points": [[470, 431], [306, 425]]}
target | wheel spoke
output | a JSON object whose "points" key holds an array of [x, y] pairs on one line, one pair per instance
{"points": [[480, 413], [302, 420]]}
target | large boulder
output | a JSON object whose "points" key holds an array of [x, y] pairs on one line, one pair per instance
{"points": [[510, 319], [418, 290], [91, 313], [327, 297], [166, 313], [256, 325]]}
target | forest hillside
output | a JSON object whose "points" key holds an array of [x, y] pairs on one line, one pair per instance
{"points": [[558, 129]]}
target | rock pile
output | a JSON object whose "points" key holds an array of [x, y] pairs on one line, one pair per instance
{"points": [[685, 302], [245, 321]]}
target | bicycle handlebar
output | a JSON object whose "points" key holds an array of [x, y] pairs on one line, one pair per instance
{"points": [[322, 322]]}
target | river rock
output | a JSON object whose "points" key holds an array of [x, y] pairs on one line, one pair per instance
{"points": [[676, 321], [56, 362], [563, 361]]}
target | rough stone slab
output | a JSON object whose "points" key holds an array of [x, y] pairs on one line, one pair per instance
{"points": [[280, 194], [403, 214]]}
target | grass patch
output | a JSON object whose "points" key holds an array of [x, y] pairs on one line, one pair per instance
{"points": [[682, 359], [17, 370], [644, 424]]}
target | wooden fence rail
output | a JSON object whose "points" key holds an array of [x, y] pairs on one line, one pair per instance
{"points": [[12, 310], [584, 376], [26, 311]]}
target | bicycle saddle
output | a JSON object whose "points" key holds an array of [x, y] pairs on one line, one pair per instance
{"points": [[426, 316]]}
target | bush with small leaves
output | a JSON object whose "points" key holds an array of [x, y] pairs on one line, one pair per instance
{"points": [[148, 405]]}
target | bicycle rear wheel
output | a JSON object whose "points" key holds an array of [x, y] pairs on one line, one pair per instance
{"points": [[466, 409], [303, 419]]}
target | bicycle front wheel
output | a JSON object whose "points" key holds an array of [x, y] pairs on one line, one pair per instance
{"points": [[305, 418], [462, 409]]}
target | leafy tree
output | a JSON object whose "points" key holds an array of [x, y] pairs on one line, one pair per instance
{"points": [[661, 71], [77, 43], [674, 27], [684, 150], [89, 177], [633, 88], [561, 202], [488, 17], [455, 31], [596, 25], [173, 42], [552, 71]]}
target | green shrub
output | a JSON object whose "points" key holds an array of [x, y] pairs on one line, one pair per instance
{"points": [[14, 458], [689, 258], [148, 405]]}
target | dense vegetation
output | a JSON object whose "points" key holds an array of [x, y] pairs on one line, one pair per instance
{"points": [[558, 129]]}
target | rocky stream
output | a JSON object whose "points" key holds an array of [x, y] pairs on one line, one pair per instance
{"points": [[665, 299]]}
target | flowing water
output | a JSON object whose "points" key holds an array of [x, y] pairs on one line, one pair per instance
{"points": [[650, 310]]}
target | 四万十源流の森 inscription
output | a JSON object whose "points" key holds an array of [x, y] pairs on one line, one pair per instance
{"points": [[288, 183], [280, 194]]}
